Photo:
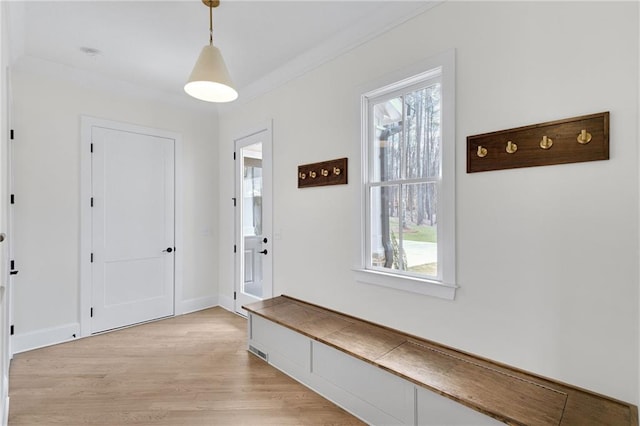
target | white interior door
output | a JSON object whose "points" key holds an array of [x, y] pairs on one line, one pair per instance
{"points": [[133, 249], [8, 187], [5, 277], [254, 248]]}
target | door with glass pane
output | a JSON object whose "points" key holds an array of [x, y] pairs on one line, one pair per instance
{"points": [[254, 249]]}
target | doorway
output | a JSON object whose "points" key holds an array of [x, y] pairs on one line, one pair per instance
{"points": [[128, 227], [253, 218]]}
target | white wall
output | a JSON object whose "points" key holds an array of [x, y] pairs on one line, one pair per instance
{"points": [[547, 257], [47, 160]]}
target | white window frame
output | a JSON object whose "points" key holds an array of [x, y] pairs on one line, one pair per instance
{"points": [[440, 67]]}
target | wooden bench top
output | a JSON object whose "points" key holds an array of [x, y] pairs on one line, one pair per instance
{"points": [[506, 393]]}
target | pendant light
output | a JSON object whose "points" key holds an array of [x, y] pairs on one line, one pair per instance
{"points": [[210, 80]]}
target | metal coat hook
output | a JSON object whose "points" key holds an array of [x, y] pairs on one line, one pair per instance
{"points": [[546, 143], [584, 137]]}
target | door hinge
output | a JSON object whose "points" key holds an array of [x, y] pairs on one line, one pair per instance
{"points": [[11, 134], [13, 198], [234, 295], [91, 312], [234, 201], [235, 248], [92, 147], [91, 201], [12, 330], [234, 155], [91, 257]]}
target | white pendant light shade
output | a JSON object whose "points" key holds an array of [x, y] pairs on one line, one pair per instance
{"points": [[209, 80]]}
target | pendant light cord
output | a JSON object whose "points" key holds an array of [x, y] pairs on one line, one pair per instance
{"points": [[210, 25]]}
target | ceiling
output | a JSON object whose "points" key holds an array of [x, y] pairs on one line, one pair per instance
{"points": [[154, 44]]}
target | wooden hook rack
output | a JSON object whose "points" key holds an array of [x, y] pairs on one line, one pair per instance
{"points": [[332, 172], [572, 140]]}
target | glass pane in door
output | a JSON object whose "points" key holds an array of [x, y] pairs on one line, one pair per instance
{"points": [[251, 204]]}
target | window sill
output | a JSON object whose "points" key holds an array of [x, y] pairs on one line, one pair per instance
{"points": [[409, 284]]}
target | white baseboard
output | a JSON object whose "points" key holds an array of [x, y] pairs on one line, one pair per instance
{"points": [[198, 304], [4, 405], [226, 303], [46, 337], [5, 411]]}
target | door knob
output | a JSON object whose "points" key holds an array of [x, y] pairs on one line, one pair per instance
{"points": [[264, 240], [168, 250], [263, 251]]}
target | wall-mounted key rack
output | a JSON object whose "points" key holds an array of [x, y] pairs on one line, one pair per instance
{"points": [[572, 140], [333, 172]]}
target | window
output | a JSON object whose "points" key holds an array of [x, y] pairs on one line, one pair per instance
{"points": [[408, 189]]}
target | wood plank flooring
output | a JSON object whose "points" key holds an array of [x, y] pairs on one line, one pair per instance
{"points": [[189, 370]]}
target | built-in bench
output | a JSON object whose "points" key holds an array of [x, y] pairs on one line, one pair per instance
{"points": [[385, 376]]}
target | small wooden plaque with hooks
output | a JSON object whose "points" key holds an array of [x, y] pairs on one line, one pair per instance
{"points": [[333, 172], [572, 140]]}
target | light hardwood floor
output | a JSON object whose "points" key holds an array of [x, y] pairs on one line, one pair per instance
{"points": [[189, 370]]}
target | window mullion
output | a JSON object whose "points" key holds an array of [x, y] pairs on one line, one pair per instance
{"points": [[401, 215], [371, 135], [402, 175], [434, 179], [403, 141]]}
